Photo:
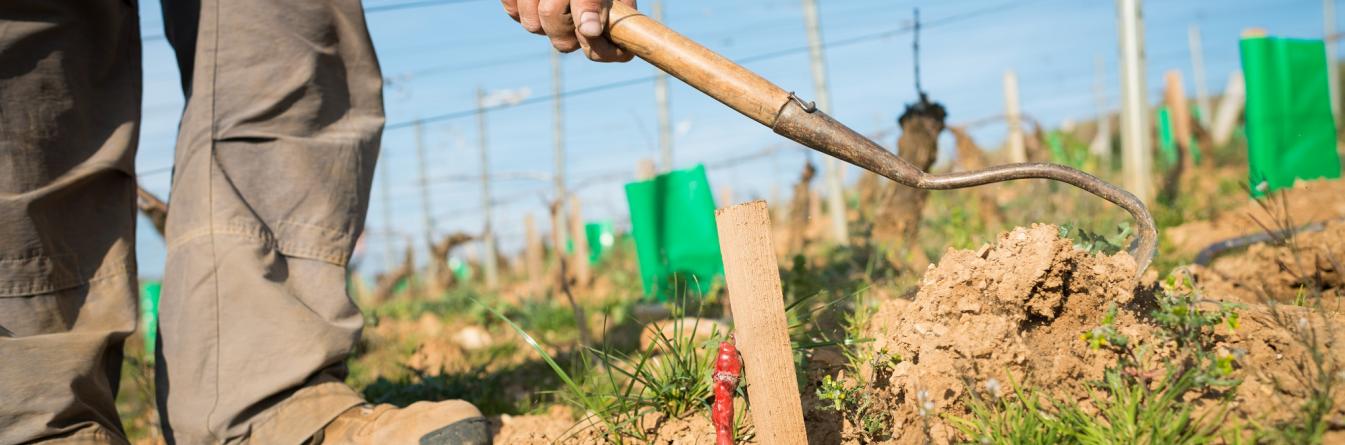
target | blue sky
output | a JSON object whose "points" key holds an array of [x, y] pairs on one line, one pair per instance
{"points": [[435, 56]]}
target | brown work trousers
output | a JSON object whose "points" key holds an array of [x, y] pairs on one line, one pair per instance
{"points": [[274, 159]]}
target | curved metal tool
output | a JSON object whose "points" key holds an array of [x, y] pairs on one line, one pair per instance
{"points": [[1209, 253], [791, 117]]}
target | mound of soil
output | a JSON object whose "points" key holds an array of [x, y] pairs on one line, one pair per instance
{"points": [[1311, 263], [1017, 308], [1015, 311], [1307, 202]]}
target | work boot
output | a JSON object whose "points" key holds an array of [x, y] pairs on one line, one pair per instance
{"points": [[451, 422]]}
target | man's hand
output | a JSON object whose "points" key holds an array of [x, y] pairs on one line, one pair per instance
{"points": [[570, 24]]}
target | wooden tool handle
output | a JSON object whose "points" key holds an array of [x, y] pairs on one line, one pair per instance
{"points": [[696, 65]]}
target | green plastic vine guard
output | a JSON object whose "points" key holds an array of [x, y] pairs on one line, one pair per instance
{"points": [[1291, 134], [672, 219], [149, 313], [600, 238]]}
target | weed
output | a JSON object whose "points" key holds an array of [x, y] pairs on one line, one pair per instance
{"points": [[1096, 242], [856, 323], [673, 383], [1190, 329], [1020, 419], [574, 393], [1137, 404], [670, 377], [863, 403], [1130, 412], [860, 407]]}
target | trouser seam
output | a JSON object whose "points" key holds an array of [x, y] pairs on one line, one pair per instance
{"points": [[256, 232], [24, 289], [212, 163]]}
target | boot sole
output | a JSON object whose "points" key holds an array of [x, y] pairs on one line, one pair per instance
{"points": [[470, 431]]}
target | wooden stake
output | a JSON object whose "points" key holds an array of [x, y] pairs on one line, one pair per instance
{"points": [[1174, 94], [533, 253], [1198, 75], [831, 168], [561, 271], [816, 223], [579, 263], [558, 226], [665, 132], [725, 195], [753, 279], [1230, 108], [1136, 157], [1101, 144], [645, 170], [1013, 116]]}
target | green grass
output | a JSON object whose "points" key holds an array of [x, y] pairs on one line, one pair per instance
{"points": [[460, 301], [671, 377], [1020, 418]]}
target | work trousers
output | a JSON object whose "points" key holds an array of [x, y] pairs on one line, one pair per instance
{"points": [[272, 170]]}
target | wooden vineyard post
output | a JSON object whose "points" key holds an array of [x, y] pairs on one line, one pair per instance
{"points": [[1175, 95], [1136, 157], [533, 254], [579, 263], [758, 306], [1230, 108], [645, 170], [1013, 114]]}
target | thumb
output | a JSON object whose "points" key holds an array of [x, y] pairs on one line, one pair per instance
{"points": [[590, 16]]}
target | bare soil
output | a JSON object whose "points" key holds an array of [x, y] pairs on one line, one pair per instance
{"points": [[1014, 312], [1307, 202], [559, 426], [1310, 262]]}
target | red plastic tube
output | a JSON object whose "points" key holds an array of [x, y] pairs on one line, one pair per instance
{"points": [[728, 368]]}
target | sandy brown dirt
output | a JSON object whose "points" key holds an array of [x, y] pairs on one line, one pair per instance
{"points": [[1017, 308], [1310, 263], [559, 426], [1307, 202], [538, 429]]}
